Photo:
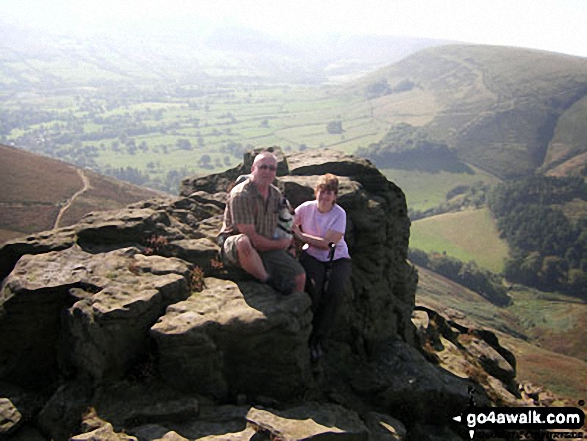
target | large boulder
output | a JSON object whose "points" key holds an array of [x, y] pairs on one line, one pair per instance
{"points": [[233, 339], [91, 313]]}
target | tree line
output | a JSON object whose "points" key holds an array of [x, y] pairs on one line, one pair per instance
{"points": [[407, 147], [549, 250], [469, 274]]}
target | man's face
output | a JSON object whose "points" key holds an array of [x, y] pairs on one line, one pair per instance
{"points": [[264, 170]]}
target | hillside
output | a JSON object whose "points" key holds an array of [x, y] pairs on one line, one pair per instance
{"points": [[40, 193], [190, 55], [544, 331], [152, 114], [508, 111]]}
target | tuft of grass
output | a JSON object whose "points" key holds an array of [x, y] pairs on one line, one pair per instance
{"points": [[196, 281]]}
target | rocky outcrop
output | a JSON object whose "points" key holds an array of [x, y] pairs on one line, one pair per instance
{"points": [[90, 312], [477, 352], [126, 326], [236, 339], [380, 303]]}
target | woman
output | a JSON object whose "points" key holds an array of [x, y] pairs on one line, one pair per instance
{"points": [[321, 225]]}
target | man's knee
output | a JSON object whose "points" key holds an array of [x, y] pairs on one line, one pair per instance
{"points": [[244, 247]]}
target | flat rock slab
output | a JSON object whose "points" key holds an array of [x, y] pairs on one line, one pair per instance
{"points": [[234, 339], [10, 417], [311, 421], [104, 433]]}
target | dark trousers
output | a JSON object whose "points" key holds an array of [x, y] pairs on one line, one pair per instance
{"points": [[325, 304]]}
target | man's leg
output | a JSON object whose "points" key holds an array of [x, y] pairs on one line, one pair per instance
{"points": [[286, 274], [249, 260]]}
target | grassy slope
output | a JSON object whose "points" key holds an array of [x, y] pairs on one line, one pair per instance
{"points": [[34, 188], [539, 340], [567, 151], [466, 235]]}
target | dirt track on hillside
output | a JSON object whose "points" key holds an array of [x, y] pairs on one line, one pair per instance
{"points": [[71, 200]]}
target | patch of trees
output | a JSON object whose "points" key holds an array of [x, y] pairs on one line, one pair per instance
{"points": [[129, 174], [470, 275], [236, 149], [184, 144], [382, 87], [410, 148], [169, 183], [549, 249], [11, 119], [334, 127]]}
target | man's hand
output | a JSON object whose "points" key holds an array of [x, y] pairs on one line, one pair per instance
{"points": [[262, 243]]}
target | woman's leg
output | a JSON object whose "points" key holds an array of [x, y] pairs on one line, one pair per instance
{"points": [[325, 315], [314, 278]]}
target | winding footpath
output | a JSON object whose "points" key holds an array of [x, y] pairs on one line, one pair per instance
{"points": [[86, 186]]}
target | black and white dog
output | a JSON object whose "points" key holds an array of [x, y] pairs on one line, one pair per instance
{"points": [[285, 222]]}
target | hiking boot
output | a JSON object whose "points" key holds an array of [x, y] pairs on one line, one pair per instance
{"points": [[285, 287]]}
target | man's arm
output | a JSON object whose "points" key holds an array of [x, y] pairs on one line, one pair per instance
{"points": [[262, 243]]}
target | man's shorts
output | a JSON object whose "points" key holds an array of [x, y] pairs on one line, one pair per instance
{"points": [[277, 262]]}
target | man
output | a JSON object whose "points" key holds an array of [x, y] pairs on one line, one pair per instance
{"points": [[250, 218]]}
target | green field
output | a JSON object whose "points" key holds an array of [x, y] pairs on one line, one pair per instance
{"points": [[428, 190], [107, 130], [467, 235]]}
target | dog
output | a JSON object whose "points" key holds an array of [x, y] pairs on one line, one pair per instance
{"points": [[285, 222]]}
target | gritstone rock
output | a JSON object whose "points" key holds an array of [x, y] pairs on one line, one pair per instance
{"points": [[126, 326]]}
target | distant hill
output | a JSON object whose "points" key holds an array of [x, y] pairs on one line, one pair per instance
{"points": [[509, 111], [40, 193], [191, 55]]}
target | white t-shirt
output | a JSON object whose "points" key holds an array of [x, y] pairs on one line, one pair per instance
{"points": [[317, 224]]}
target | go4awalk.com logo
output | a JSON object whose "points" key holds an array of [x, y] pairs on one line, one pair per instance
{"points": [[522, 422]]}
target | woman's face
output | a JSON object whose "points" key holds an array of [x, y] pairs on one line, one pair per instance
{"points": [[325, 199]]}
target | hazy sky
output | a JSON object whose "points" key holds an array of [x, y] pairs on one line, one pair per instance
{"points": [[554, 25]]}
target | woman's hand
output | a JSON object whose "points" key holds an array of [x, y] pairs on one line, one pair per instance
{"points": [[315, 241]]}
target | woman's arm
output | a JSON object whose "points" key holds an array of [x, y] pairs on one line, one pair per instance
{"points": [[315, 241]]}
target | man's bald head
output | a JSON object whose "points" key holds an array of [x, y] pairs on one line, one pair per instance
{"points": [[265, 157]]}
